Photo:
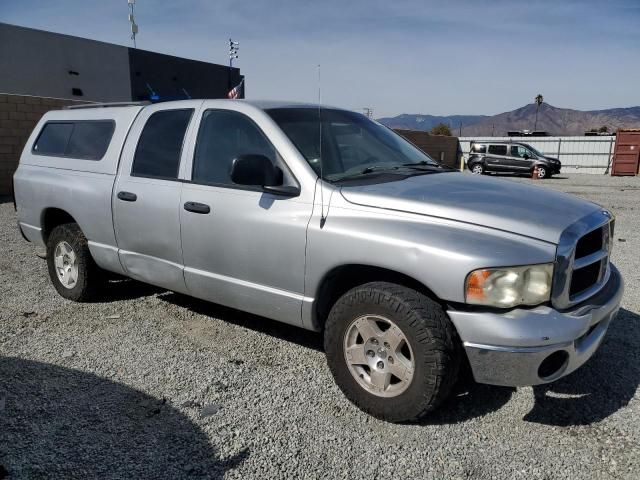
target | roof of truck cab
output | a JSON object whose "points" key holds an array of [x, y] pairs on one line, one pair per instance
{"points": [[77, 111], [268, 104], [261, 104]]}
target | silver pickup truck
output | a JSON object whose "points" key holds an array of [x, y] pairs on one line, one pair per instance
{"points": [[326, 220]]}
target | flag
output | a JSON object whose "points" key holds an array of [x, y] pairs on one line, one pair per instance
{"points": [[237, 91]]}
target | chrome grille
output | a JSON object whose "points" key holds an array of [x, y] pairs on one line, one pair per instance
{"points": [[582, 260]]}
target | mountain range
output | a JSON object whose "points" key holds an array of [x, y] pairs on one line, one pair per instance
{"points": [[553, 120]]}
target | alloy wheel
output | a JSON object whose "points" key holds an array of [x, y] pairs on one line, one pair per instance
{"points": [[378, 355], [66, 264]]}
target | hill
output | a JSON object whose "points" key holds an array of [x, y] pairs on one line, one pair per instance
{"points": [[554, 120], [427, 122]]}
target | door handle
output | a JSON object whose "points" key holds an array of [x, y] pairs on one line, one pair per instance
{"points": [[127, 196], [196, 207]]}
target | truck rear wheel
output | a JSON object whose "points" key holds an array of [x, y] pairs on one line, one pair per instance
{"points": [[72, 270], [392, 351]]}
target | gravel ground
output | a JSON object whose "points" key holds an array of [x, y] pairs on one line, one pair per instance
{"points": [[146, 383]]}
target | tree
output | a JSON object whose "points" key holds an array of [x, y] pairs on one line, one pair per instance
{"points": [[441, 129], [603, 129]]}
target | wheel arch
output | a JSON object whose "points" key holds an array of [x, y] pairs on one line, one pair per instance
{"points": [[475, 161], [52, 217], [343, 278]]}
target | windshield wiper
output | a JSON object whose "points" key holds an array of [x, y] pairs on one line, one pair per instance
{"points": [[374, 168], [424, 163], [367, 170]]}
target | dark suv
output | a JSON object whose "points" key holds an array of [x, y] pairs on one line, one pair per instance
{"points": [[510, 157]]}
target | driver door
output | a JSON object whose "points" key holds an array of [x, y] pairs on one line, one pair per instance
{"points": [[242, 247], [521, 158]]}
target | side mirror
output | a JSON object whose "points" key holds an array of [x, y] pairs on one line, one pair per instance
{"points": [[526, 156], [255, 170], [258, 171]]}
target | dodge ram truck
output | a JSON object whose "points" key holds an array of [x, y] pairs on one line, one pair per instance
{"points": [[324, 219]]}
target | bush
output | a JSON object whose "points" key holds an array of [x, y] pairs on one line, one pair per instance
{"points": [[441, 129]]}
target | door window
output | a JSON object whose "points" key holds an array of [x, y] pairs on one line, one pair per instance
{"points": [[158, 151], [520, 151], [223, 136], [497, 149], [477, 148]]}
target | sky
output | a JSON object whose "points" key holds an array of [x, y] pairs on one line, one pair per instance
{"points": [[394, 56]]}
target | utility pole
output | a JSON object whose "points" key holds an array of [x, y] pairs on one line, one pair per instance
{"points": [[132, 21], [368, 112]]}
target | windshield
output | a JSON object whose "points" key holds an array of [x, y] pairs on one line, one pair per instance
{"points": [[352, 144], [538, 154]]}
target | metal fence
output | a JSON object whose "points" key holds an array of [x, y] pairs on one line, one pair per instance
{"points": [[577, 154]]}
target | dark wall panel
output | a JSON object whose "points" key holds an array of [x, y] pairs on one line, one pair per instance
{"points": [[169, 77]]}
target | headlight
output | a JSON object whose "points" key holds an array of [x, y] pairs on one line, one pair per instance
{"points": [[509, 286]]}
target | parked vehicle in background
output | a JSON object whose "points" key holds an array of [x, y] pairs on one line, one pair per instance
{"points": [[510, 157], [326, 220]]}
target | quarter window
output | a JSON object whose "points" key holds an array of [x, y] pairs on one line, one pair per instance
{"points": [[158, 151], [86, 139], [498, 149], [225, 135]]}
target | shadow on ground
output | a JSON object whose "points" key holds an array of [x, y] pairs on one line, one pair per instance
{"points": [[601, 387], [61, 423], [605, 384], [119, 288], [283, 331], [468, 401]]}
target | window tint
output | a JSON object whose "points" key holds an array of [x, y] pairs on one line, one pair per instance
{"points": [[498, 149], [90, 139], [519, 151], [158, 151], [479, 148], [82, 139], [225, 135]]}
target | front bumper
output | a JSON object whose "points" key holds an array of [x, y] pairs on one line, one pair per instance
{"points": [[533, 346]]}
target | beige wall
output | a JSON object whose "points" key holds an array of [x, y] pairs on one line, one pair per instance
{"points": [[18, 115]]}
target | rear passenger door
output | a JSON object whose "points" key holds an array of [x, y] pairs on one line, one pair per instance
{"points": [[497, 160], [243, 247], [146, 198]]}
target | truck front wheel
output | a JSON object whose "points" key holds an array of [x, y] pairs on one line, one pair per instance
{"points": [[392, 351], [72, 270]]}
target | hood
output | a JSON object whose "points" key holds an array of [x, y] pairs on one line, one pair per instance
{"points": [[501, 204]]}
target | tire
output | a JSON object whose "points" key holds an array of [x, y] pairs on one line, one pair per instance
{"points": [[543, 172], [68, 241], [477, 169], [431, 346]]}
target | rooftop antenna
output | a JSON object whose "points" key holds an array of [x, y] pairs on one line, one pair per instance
{"points": [[323, 219], [132, 21]]}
